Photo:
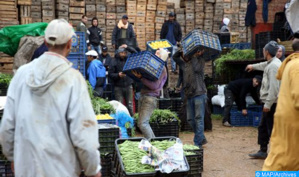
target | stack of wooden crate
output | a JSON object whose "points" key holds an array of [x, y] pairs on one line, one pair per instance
{"points": [[132, 10], [180, 17], [6, 63], [8, 13], [218, 15], [25, 11], [76, 10], [62, 9], [48, 10], [190, 12], [199, 14], [209, 14], [120, 9], [140, 24], [245, 33], [160, 17], [150, 20], [110, 23], [101, 16], [36, 11], [90, 8]]}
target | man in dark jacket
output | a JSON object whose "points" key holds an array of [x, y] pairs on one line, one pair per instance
{"points": [[95, 36], [82, 27], [236, 91], [171, 30], [122, 30], [122, 84], [105, 58]]}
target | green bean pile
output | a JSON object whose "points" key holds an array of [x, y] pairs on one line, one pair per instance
{"points": [[189, 147]]}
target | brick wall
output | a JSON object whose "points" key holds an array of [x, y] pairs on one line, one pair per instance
{"points": [[273, 7]]}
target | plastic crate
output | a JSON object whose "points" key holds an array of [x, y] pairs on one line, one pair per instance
{"points": [[198, 39], [195, 162], [240, 46], [173, 104], [218, 109], [107, 121], [170, 129], [78, 43], [106, 165], [257, 116], [237, 119], [149, 48], [146, 63], [78, 62], [107, 137], [5, 169]]}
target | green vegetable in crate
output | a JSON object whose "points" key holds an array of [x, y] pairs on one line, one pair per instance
{"points": [[161, 116], [186, 153], [5, 79], [189, 147]]}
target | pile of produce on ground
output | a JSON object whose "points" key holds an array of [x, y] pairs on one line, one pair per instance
{"points": [[161, 116]]}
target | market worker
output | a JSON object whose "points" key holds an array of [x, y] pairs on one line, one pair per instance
{"points": [[236, 91], [95, 36], [148, 97], [49, 127], [268, 96], [105, 58], [82, 27], [122, 30], [283, 155], [96, 73], [281, 53], [224, 26]]}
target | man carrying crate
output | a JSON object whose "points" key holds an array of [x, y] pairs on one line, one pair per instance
{"points": [[268, 95], [49, 127]]}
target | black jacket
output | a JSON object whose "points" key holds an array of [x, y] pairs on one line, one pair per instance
{"points": [[117, 66], [107, 59], [94, 35], [116, 34], [177, 30], [240, 89]]}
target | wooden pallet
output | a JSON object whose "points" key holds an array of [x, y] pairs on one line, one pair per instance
{"points": [[24, 2]]}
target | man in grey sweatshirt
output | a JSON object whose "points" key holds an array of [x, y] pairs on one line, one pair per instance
{"points": [[268, 95]]}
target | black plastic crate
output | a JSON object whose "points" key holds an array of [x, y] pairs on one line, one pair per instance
{"points": [[173, 104], [195, 162], [106, 165], [224, 38], [170, 129], [107, 138], [5, 169]]}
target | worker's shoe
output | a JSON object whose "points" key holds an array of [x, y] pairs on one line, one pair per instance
{"points": [[204, 141], [259, 155], [226, 124]]}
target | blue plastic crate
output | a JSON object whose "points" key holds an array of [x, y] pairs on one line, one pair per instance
{"points": [[78, 43], [237, 119], [107, 121], [78, 62], [240, 46], [198, 39], [256, 116], [149, 48], [146, 63]]}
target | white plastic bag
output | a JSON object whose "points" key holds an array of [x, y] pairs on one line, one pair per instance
{"points": [[119, 107], [221, 90], [218, 100]]}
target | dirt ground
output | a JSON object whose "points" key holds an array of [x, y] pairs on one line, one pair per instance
{"points": [[226, 154]]}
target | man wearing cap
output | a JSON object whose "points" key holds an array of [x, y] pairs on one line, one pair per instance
{"points": [[236, 91], [49, 127], [122, 30], [268, 95], [224, 26], [122, 83], [95, 36], [283, 155], [96, 73], [105, 58], [171, 30]]}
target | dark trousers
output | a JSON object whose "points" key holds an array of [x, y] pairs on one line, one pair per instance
{"points": [[265, 128], [229, 101]]}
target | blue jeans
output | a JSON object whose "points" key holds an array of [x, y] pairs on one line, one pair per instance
{"points": [[195, 117], [98, 49], [173, 63]]}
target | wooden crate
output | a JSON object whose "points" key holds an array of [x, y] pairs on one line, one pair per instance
{"points": [[65, 14], [159, 20], [152, 1], [101, 21], [180, 17], [63, 1], [132, 7], [208, 28], [101, 15], [141, 13], [150, 19], [77, 10], [37, 15], [101, 8], [100, 2], [48, 6], [36, 8], [24, 2], [150, 25], [179, 11], [111, 16], [141, 7], [151, 7], [75, 16], [36, 20], [209, 15], [75, 3], [199, 15], [189, 16], [227, 5], [132, 19], [111, 9], [26, 20], [140, 25], [169, 10], [140, 20], [199, 21], [189, 28], [162, 2], [110, 2], [162, 7], [190, 22], [36, 2], [49, 13], [121, 9], [25, 11], [141, 2], [120, 15], [150, 30], [242, 23], [90, 14], [132, 13], [243, 5], [158, 26], [90, 8], [48, 19], [108, 36], [110, 23], [170, 5], [150, 13], [161, 13], [62, 7], [90, 2], [208, 22], [218, 18]]}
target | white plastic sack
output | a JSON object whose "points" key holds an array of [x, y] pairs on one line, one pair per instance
{"points": [[218, 100], [221, 90], [292, 15], [119, 107]]}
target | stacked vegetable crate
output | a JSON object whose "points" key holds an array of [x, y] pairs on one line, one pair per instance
{"points": [[173, 104], [48, 10], [195, 161], [199, 14], [25, 11], [120, 10], [140, 23], [62, 9], [190, 11], [8, 13], [180, 17], [76, 10], [36, 11], [150, 21]]}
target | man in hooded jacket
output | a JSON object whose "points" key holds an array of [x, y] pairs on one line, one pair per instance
{"points": [[95, 36], [49, 127]]}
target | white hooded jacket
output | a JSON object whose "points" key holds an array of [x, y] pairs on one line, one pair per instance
{"points": [[49, 128]]}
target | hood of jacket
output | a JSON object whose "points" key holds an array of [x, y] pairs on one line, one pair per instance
{"points": [[284, 63], [45, 70]]}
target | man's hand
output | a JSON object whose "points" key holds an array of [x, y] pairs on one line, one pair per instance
{"points": [[137, 74], [121, 75], [249, 68], [124, 46], [244, 112], [97, 175], [266, 109]]}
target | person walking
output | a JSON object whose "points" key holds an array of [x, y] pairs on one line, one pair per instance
{"points": [[123, 30], [224, 26], [49, 127], [268, 96], [95, 36]]}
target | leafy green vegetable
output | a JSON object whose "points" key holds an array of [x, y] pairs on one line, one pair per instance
{"points": [[235, 54], [189, 147], [161, 116], [5, 79]]}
